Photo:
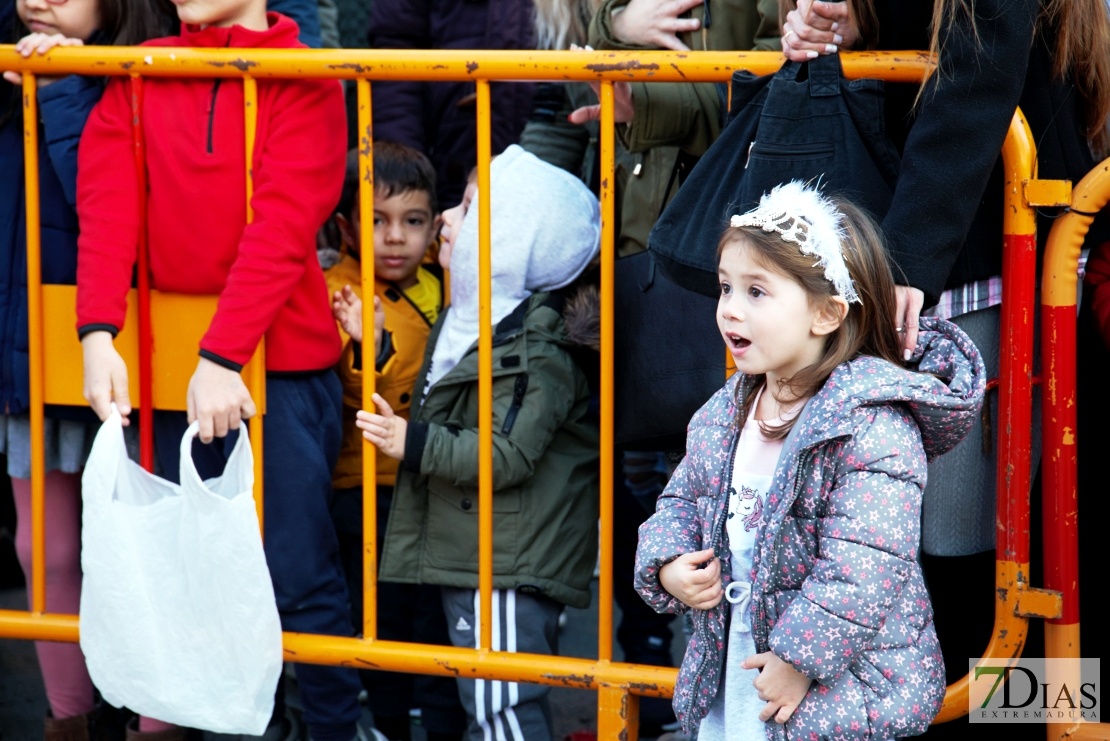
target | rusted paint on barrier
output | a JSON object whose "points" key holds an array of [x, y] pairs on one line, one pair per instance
{"points": [[442, 64], [618, 715], [1059, 460], [631, 65], [1007, 638]]}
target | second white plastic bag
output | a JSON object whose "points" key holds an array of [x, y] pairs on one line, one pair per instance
{"points": [[178, 618]]}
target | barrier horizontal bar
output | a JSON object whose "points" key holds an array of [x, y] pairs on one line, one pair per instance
{"points": [[413, 658], [449, 661], [30, 626], [180, 316], [442, 65]]}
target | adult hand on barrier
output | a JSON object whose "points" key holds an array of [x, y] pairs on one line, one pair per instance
{"points": [[41, 43], [694, 579], [105, 373], [907, 313], [779, 684], [815, 27], [623, 111], [655, 23], [217, 399]]}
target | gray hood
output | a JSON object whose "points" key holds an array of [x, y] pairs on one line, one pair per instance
{"points": [[545, 228]]}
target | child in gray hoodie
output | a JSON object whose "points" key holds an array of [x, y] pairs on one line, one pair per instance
{"points": [[545, 229]]}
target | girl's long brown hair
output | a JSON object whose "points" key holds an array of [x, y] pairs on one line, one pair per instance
{"points": [[1082, 29], [867, 329]]}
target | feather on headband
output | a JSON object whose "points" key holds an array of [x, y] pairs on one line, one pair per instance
{"points": [[802, 216]]}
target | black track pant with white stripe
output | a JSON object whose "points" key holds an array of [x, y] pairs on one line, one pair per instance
{"points": [[524, 623]]}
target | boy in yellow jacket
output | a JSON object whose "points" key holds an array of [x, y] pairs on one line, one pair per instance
{"points": [[408, 297]]}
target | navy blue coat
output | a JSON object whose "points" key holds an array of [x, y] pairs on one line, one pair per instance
{"points": [[307, 15], [439, 118], [63, 108]]}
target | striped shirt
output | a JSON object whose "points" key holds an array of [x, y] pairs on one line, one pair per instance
{"points": [[980, 294]]}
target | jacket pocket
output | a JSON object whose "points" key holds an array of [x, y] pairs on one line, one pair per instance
{"points": [[456, 502], [452, 529], [870, 676]]}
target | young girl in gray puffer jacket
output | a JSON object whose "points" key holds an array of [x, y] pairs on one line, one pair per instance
{"points": [[791, 529]]}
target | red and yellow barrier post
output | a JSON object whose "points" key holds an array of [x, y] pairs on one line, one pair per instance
{"points": [[1059, 461]]}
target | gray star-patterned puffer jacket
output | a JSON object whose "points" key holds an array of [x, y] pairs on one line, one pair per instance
{"points": [[837, 590]]}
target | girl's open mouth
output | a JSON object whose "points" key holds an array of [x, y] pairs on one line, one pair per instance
{"points": [[736, 342]]}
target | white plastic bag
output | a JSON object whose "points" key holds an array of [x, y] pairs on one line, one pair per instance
{"points": [[178, 618]]}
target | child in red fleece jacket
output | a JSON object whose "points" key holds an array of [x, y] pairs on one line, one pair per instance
{"points": [[269, 285]]}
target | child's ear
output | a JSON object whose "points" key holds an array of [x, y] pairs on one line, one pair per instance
{"points": [[437, 224], [829, 315], [346, 230]]}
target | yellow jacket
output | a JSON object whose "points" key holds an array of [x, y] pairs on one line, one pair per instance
{"points": [[409, 331]]}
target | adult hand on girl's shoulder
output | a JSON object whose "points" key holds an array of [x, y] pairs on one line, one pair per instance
{"points": [[907, 315], [694, 579], [779, 684], [41, 43], [386, 431], [815, 27]]}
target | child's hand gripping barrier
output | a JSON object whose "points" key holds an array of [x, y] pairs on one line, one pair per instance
{"points": [[178, 618]]}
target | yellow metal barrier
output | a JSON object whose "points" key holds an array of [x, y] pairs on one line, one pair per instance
{"points": [[185, 318]]}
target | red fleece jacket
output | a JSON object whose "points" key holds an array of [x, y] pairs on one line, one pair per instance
{"points": [[265, 273]]}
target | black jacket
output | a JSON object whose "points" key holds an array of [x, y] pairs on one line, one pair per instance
{"points": [[944, 227], [439, 118]]}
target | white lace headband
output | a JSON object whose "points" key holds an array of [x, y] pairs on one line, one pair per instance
{"points": [[802, 216]]}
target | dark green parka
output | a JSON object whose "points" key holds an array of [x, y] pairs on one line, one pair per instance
{"points": [[545, 449]]}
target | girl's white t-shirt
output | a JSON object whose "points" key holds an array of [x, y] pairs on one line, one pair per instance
{"points": [[735, 710]]}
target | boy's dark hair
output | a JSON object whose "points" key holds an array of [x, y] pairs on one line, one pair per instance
{"points": [[398, 168]]}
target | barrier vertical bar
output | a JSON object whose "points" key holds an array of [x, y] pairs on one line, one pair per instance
{"points": [[256, 381], [1015, 389], [35, 322], [605, 480], [618, 714], [146, 344], [1059, 424], [1015, 405], [369, 452], [485, 375]]}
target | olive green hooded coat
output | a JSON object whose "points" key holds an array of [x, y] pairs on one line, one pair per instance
{"points": [[545, 227]]}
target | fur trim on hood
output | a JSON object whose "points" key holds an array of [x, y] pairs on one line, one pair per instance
{"points": [[582, 316]]}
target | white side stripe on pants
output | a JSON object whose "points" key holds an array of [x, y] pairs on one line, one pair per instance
{"points": [[497, 708]]}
